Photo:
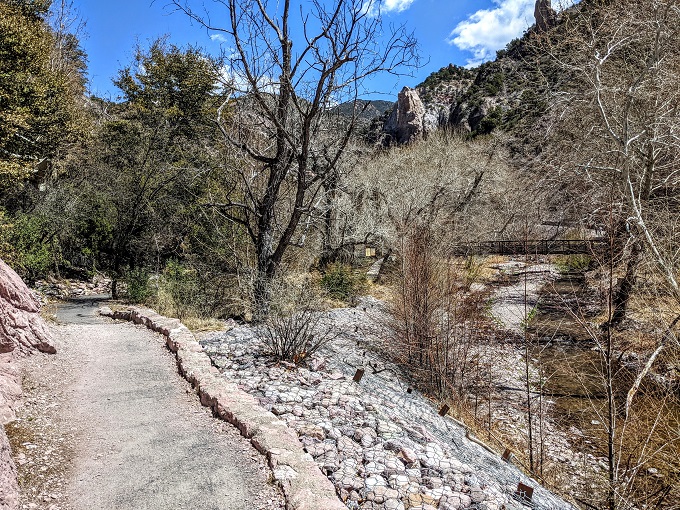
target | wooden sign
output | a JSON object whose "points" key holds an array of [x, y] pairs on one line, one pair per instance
{"points": [[358, 375], [524, 491], [444, 410], [506, 455]]}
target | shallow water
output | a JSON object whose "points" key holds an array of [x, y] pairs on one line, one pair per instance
{"points": [[572, 370], [80, 310]]}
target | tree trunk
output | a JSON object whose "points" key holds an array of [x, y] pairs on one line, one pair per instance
{"points": [[625, 289], [262, 297], [328, 253], [264, 276]]}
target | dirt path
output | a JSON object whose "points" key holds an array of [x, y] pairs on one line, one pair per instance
{"points": [[109, 424]]}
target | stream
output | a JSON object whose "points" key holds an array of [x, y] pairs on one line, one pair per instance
{"points": [[571, 367]]}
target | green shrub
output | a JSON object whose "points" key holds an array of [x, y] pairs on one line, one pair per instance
{"points": [[180, 290], [26, 244], [341, 282], [138, 289], [492, 120], [446, 74], [573, 263]]}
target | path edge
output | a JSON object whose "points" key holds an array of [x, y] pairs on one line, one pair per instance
{"points": [[303, 484]]}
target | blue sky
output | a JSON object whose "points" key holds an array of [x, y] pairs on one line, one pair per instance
{"points": [[448, 31]]}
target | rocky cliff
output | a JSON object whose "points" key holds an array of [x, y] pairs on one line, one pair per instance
{"points": [[509, 93], [545, 15], [22, 331], [406, 122]]}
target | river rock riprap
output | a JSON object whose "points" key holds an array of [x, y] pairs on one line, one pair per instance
{"points": [[383, 447]]}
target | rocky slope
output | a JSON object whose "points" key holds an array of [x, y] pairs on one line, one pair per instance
{"points": [[22, 331], [382, 443], [509, 93]]}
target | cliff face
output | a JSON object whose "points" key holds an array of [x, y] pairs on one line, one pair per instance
{"points": [[496, 94], [22, 331], [544, 14]]}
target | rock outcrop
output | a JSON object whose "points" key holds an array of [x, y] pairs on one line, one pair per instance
{"points": [[10, 391], [460, 100], [21, 326], [10, 387], [504, 93], [406, 123], [22, 331], [545, 15]]}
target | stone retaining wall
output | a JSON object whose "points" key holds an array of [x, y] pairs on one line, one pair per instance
{"points": [[304, 486]]}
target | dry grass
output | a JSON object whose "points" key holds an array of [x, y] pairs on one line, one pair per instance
{"points": [[199, 324], [383, 292], [653, 308], [478, 268], [49, 312]]}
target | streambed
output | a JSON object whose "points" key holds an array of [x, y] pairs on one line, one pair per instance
{"points": [[566, 351]]}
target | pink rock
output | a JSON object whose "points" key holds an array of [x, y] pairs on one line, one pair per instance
{"points": [[21, 326], [408, 455], [10, 388], [21, 330], [9, 490], [406, 122], [14, 290]]}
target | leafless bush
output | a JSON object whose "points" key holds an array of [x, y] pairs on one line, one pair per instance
{"points": [[437, 322], [296, 327]]}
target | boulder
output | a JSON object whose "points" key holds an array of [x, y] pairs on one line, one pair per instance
{"points": [[22, 329], [10, 388], [21, 326], [406, 123]]}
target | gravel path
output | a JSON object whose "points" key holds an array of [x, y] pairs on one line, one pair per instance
{"points": [[109, 424]]}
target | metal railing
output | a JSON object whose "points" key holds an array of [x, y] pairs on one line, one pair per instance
{"points": [[538, 246]]}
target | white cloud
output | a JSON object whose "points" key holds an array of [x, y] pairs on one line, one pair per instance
{"points": [[218, 38], [489, 30], [396, 5], [375, 7], [236, 82]]}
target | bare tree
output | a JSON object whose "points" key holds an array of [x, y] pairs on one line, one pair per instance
{"points": [[619, 115], [289, 63], [460, 188]]}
